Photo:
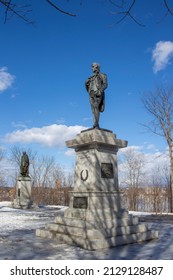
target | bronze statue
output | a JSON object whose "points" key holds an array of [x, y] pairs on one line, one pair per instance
{"points": [[95, 85], [24, 165]]}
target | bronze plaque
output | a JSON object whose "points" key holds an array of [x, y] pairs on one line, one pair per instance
{"points": [[107, 170], [80, 202]]}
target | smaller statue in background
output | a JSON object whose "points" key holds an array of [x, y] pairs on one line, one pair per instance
{"points": [[24, 165]]}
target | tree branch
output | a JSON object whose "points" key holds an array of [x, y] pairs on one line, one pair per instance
{"points": [[160, 106], [119, 6], [169, 10], [60, 10], [128, 13], [13, 9]]}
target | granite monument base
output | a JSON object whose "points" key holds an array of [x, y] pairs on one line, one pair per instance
{"points": [[23, 193], [96, 217], [96, 221]]}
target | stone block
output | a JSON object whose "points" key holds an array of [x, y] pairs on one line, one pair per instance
{"points": [[96, 160], [109, 223], [103, 243], [44, 233], [23, 193], [95, 233], [96, 200]]}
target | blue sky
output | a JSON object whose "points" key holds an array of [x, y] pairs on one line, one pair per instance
{"points": [[43, 69]]}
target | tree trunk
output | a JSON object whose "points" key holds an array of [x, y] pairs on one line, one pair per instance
{"points": [[171, 186], [171, 178]]}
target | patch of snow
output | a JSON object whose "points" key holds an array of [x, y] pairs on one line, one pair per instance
{"points": [[137, 213], [18, 240]]}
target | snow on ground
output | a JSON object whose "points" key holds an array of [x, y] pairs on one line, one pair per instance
{"points": [[17, 219], [18, 240]]}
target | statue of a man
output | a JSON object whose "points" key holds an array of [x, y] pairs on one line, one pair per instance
{"points": [[96, 85], [24, 165]]}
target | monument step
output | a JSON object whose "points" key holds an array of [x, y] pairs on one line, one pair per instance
{"points": [[102, 243], [96, 233], [109, 223], [126, 239], [95, 214], [41, 232]]}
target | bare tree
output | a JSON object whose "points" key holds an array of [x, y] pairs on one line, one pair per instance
{"points": [[59, 177], [123, 8], [157, 184], [2, 180], [159, 105], [133, 169], [42, 171], [1, 154]]}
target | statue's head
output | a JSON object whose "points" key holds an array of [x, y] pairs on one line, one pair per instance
{"points": [[95, 67]]}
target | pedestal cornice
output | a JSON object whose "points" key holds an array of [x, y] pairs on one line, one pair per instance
{"points": [[95, 139]]}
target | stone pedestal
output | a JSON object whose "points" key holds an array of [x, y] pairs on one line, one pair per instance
{"points": [[96, 217], [23, 193], [96, 160]]}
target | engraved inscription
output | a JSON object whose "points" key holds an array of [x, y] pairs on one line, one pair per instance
{"points": [[78, 214], [107, 170], [80, 202]]}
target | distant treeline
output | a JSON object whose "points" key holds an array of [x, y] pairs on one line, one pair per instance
{"points": [[40, 195], [148, 199]]}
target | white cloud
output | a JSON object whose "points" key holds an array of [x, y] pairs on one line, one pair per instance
{"points": [[60, 120], [157, 158], [150, 147], [6, 79], [52, 136], [70, 153], [162, 54], [19, 125], [87, 119], [136, 149], [152, 161]]}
